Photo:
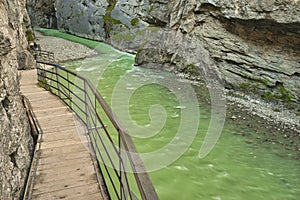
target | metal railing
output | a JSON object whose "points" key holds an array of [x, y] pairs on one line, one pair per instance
{"points": [[42, 55], [37, 134], [117, 157]]}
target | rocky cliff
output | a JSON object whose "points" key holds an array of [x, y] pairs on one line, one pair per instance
{"points": [[254, 43], [15, 139], [42, 13]]}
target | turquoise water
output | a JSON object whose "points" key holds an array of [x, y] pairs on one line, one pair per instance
{"points": [[234, 169]]}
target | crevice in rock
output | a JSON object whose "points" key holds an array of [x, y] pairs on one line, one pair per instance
{"points": [[12, 157], [296, 74], [84, 4], [108, 21], [206, 7], [5, 103], [5, 45]]}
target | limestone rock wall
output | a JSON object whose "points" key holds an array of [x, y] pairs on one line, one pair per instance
{"points": [[100, 19], [254, 43], [15, 139], [42, 13], [82, 17]]}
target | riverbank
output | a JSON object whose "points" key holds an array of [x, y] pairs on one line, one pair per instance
{"points": [[64, 50], [273, 124]]}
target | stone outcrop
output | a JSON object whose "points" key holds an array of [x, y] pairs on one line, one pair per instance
{"points": [[99, 19], [42, 13], [254, 43], [16, 143], [82, 18]]}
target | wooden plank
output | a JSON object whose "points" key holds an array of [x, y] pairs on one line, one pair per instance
{"points": [[58, 128], [71, 193], [76, 161], [56, 110], [65, 168], [50, 157], [56, 122], [83, 172], [62, 135]]}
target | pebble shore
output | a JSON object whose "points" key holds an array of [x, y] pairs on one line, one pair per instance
{"points": [[64, 50]]}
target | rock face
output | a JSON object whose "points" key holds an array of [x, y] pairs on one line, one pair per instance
{"points": [[254, 43], [82, 18], [42, 13], [15, 139], [99, 19]]}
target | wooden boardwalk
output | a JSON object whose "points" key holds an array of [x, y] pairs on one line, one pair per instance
{"points": [[65, 169]]}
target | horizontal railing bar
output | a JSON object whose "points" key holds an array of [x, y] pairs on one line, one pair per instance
{"points": [[106, 151], [98, 127], [62, 69], [92, 117], [106, 169]]}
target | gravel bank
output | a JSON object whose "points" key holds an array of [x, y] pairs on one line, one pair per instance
{"points": [[64, 50], [267, 111]]}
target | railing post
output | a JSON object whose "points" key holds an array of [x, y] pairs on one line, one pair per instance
{"points": [[125, 144], [69, 90], [122, 195], [57, 82], [125, 191], [86, 106]]}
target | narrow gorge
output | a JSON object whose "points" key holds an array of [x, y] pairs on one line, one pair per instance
{"points": [[254, 44]]}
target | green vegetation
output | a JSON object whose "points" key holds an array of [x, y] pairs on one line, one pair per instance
{"points": [[80, 14], [123, 36], [141, 48], [29, 35], [112, 20], [134, 21], [189, 69], [284, 94], [151, 8], [245, 86], [111, 6], [255, 86], [43, 83], [108, 20]]}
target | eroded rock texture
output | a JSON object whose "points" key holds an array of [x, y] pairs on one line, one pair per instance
{"points": [[42, 13], [15, 139], [254, 43]]}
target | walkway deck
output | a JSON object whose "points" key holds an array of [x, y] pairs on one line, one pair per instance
{"points": [[65, 169]]}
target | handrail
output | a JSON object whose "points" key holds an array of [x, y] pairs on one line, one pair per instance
{"points": [[37, 134], [43, 55], [110, 141]]}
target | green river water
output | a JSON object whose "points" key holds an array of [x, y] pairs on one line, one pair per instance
{"points": [[235, 169]]}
